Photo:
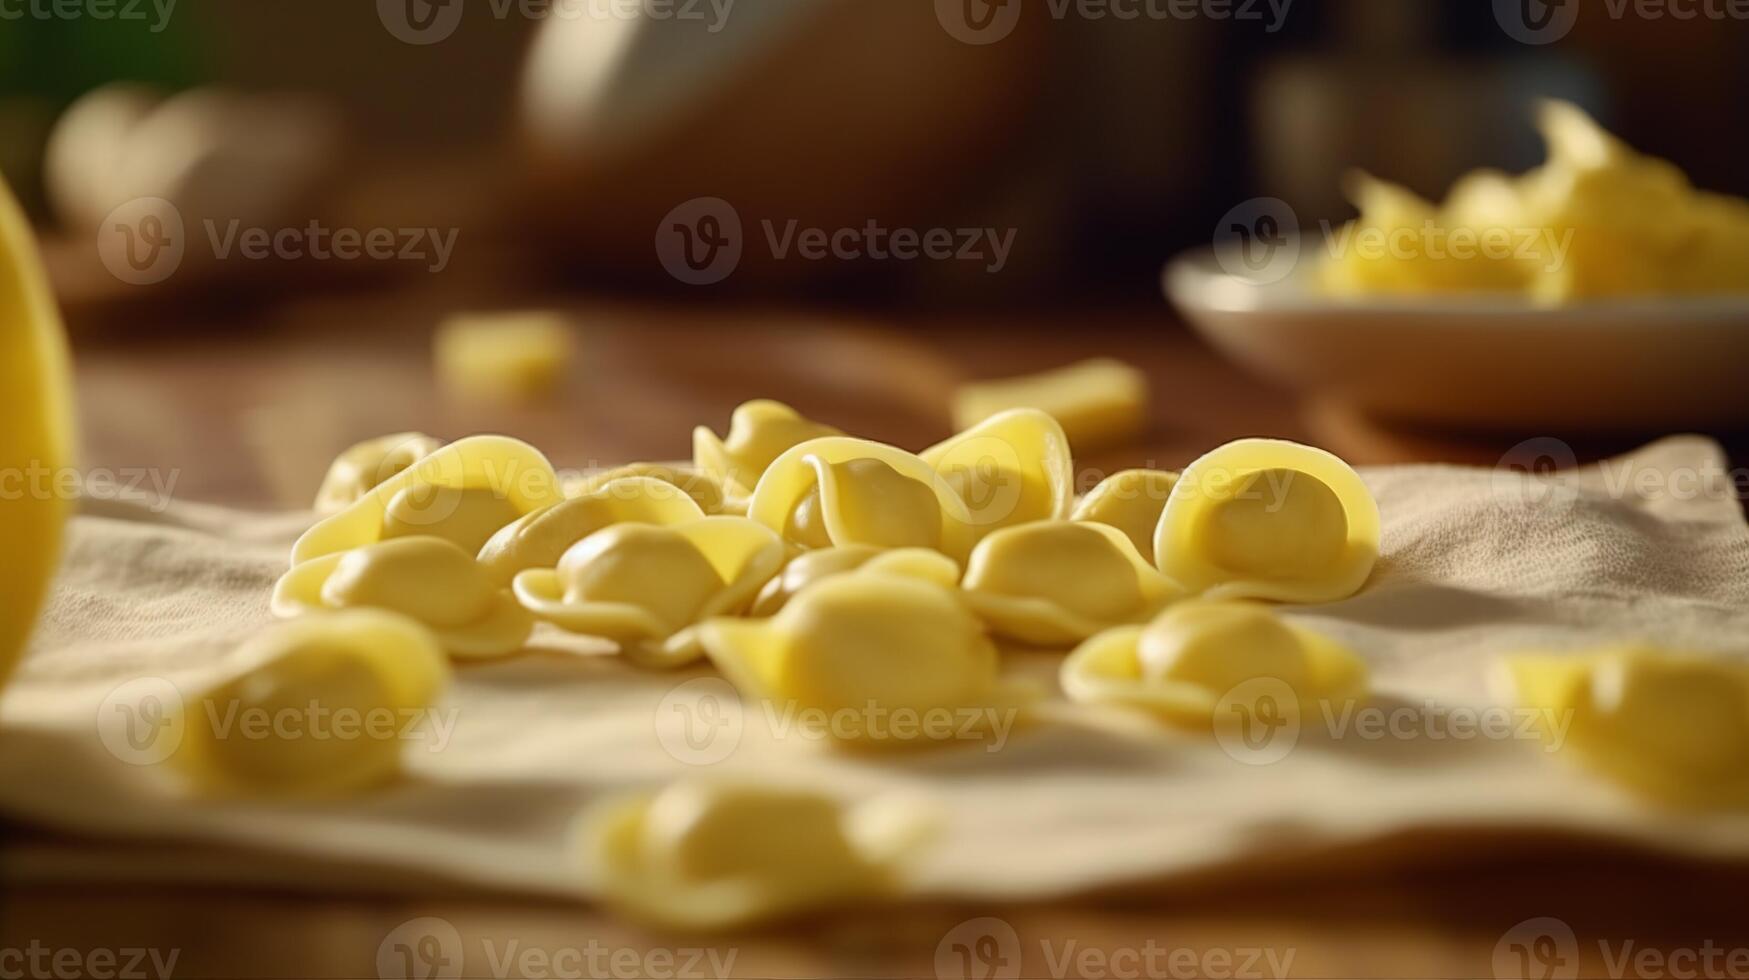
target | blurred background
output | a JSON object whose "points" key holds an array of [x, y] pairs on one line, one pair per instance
{"points": [[524, 153]]}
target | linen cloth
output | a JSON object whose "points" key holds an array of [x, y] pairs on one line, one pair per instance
{"points": [[1476, 563]]}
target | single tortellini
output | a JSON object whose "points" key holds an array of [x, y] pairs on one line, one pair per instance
{"points": [[814, 566], [1205, 663], [1012, 468], [1053, 583], [361, 468], [427, 579], [887, 660], [759, 432], [1131, 501], [453, 494], [540, 539], [1268, 519], [318, 706], [644, 586], [843, 491], [1671, 726], [705, 855], [705, 490]]}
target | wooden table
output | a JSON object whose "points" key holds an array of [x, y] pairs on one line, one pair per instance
{"points": [[244, 405]]}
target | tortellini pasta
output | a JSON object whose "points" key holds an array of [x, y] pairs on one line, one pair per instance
{"points": [[705, 490], [1200, 653], [1059, 582], [700, 855], [1671, 726], [361, 468], [450, 494], [1099, 403], [814, 566], [759, 432], [1269, 519], [643, 586], [842, 491], [1131, 501], [865, 649], [427, 579], [1012, 468], [257, 734], [539, 539]]}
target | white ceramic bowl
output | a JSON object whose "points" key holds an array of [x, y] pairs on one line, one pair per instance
{"points": [[1487, 361]]}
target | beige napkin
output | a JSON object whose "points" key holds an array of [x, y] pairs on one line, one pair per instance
{"points": [[1477, 563]]}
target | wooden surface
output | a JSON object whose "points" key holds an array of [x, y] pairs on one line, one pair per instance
{"points": [[245, 406]]}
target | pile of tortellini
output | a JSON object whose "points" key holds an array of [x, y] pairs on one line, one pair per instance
{"points": [[833, 573]]}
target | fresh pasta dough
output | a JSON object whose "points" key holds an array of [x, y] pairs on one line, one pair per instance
{"points": [[759, 432], [711, 855], [1202, 654], [318, 706], [1009, 469], [362, 467], [427, 579], [1131, 501], [1269, 519], [1059, 582], [843, 491], [540, 538], [1670, 725], [644, 586]]}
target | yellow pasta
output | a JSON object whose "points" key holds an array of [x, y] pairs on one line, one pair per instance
{"points": [[319, 706], [884, 658], [506, 356], [700, 855], [1099, 403], [1012, 468], [424, 578], [705, 490], [1268, 519], [1059, 582], [513, 471], [759, 432], [541, 538], [1201, 653], [815, 566], [361, 468], [1672, 726], [643, 586], [843, 491], [1131, 501]]}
